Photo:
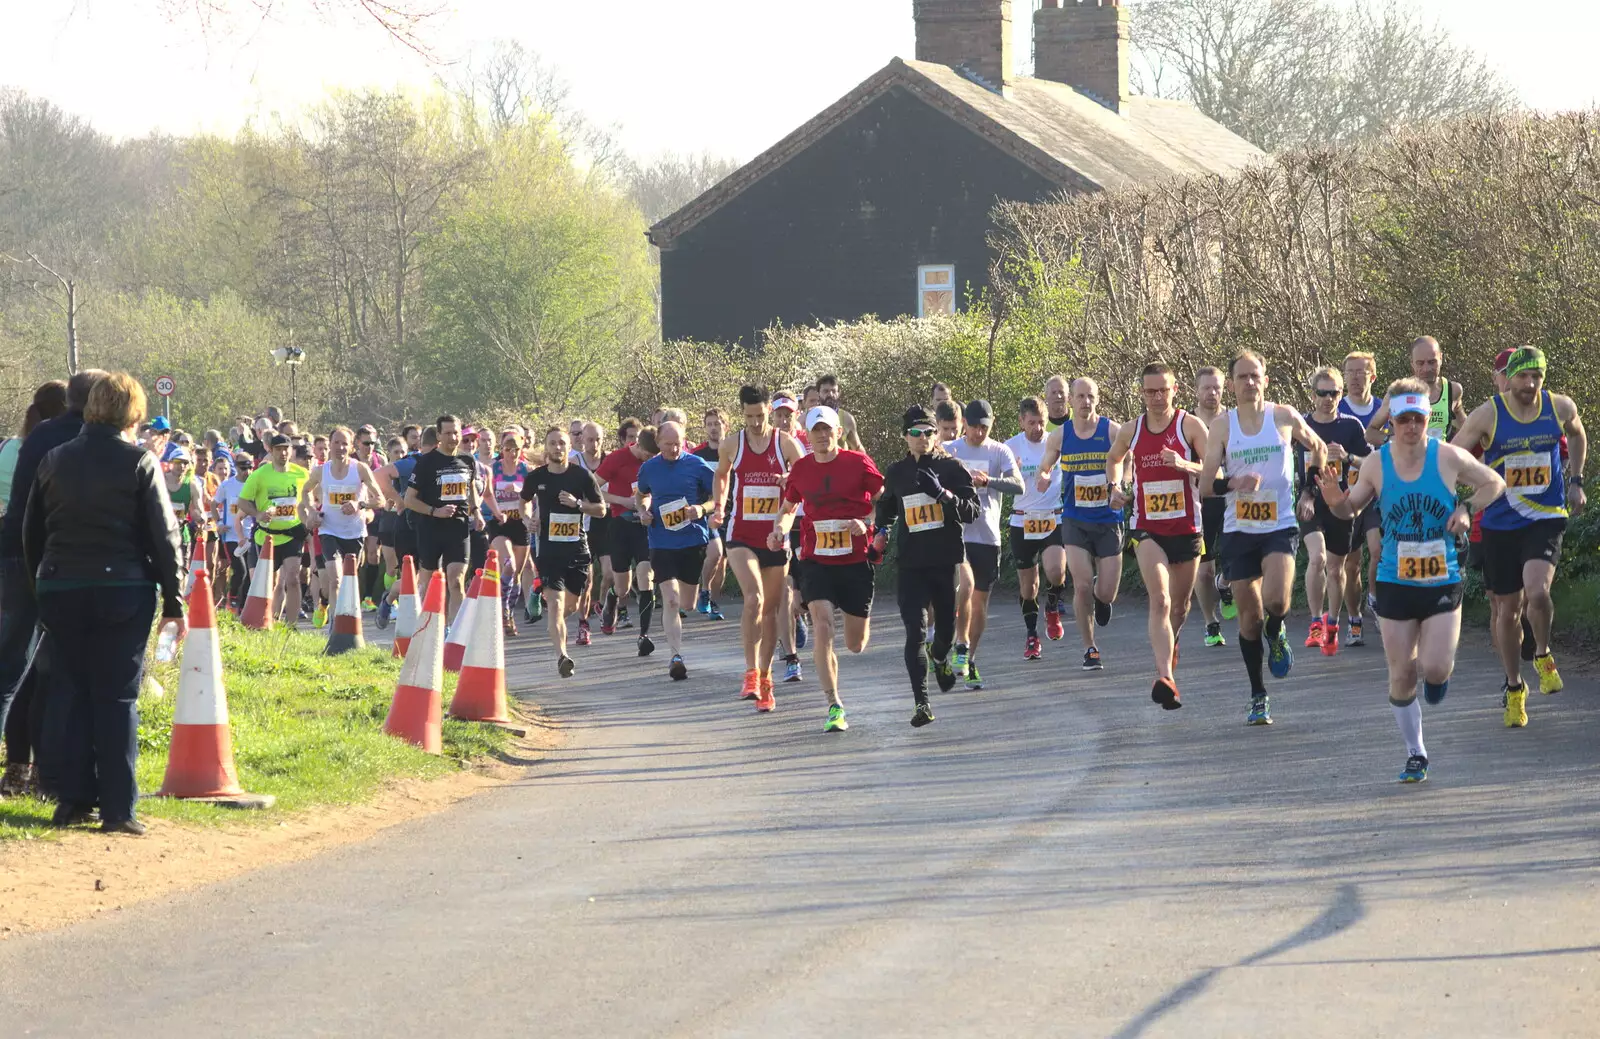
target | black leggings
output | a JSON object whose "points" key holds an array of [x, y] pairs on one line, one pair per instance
{"points": [[918, 588]]}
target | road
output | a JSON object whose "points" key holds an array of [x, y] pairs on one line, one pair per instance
{"points": [[1054, 857]]}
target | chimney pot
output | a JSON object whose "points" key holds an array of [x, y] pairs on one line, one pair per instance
{"points": [[973, 34], [1084, 45]]}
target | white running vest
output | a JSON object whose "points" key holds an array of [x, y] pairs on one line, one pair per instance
{"points": [[1269, 507], [334, 494]]}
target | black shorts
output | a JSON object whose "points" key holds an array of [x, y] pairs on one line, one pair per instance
{"points": [[1337, 534], [1505, 552], [630, 545], [1414, 602], [845, 585], [985, 563], [1026, 551], [564, 574], [794, 554], [600, 535], [1242, 551], [441, 542], [1475, 555], [1211, 512], [678, 564], [478, 554], [513, 531], [766, 558], [334, 547], [1180, 548], [1370, 518], [405, 538], [290, 549]]}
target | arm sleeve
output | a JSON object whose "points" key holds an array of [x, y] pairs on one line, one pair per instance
{"points": [[1010, 480], [889, 504]]}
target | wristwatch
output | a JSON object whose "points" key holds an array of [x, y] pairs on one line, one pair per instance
{"points": [[1576, 480]]}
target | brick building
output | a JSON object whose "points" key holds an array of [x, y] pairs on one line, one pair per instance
{"points": [[881, 204]]}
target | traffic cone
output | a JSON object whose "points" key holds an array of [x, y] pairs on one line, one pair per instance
{"points": [[455, 643], [344, 634], [200, 754], [405, 612], [415, 714], [197, 564], [257, 612], [481, 691]]}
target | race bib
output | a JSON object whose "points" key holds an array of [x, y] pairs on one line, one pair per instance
{"points": [[922, 513], [510, 515], [1421, 562], [341, 497], [759, 503], [565, 527], [1090, 491], [675, 514], [1256, 510], [1165, 499], [1528, 473], [1036, 526], [832, 537], [284, 508], [453, 486]]}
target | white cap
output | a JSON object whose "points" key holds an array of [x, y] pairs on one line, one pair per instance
{"points": [[822, 415], [783, 400]]}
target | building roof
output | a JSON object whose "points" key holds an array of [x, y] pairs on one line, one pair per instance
{"points": [[1067, 137]]}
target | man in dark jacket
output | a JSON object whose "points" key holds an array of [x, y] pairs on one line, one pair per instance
{"points": [[19, 614]]}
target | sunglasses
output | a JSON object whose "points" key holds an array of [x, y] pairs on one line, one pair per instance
{"points": [[919, 432], [1409, 418], [1327, 393]]}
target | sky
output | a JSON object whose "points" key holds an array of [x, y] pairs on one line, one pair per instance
{"points": [[726, 76]]}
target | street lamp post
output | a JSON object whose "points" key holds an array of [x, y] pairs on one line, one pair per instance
{"points": [[293, 356]]}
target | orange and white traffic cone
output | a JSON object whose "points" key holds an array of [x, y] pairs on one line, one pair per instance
{"points": [[257, 611], [455, 643], [481, 691], [197, 564], [200, 757], [416, 713], [344, 634], [405, 610]]}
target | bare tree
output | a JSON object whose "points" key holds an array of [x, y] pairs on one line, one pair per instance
{"points": [[664, 184], [406, 21]]}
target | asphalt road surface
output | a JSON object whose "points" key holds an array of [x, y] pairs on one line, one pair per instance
{"points": [[1054, 857]]}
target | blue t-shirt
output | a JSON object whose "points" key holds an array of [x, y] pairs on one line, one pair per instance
{"points": [[672, 486]]}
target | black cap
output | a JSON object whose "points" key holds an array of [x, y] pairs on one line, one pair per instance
{"points": [[916, 415], [278, 440], [978, 413]]}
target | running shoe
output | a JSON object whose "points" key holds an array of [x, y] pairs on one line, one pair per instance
{"points": [[1053, 628], [702, 602], [766, 701], [1103, 612], [1091, 659], [1214, 636], [960, 661], [566, 666], [1549, 677], [646, 647], [676, 669], [509, 624], [715, 613], [527, 610], [1165, 693], [1356, 638], [922, 715], [608, 628], [623, 622], [1260, 711], [751, 690], [385, 609], [791, 669], [800, 633], [1330, 639], [683, 615], [1230, 610], [1314, 634], [583, 638], [1031, 649], [836, 721], [536, 609], [368, 606], [319, 618], [1528, 645], [974, 680], [1280, 658], [1416, 769], [1515, 702], [596, 608], [943, 673]]}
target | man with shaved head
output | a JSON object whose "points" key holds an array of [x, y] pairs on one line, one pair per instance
{"points": [[1057, 402], [1446, 413], [674, 498], [587, 453]]}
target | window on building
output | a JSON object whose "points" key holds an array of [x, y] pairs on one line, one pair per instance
{"points": [[936, 290]]}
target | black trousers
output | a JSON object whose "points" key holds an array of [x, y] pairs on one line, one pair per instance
{"points": [[98, 639], [917, 589], [19, 616]]}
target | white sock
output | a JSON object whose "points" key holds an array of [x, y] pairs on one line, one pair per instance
{"points": [[1409, 718]]}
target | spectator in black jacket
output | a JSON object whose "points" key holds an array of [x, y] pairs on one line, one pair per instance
{"points": [[927, 496], [19, 614], [101, 540]]}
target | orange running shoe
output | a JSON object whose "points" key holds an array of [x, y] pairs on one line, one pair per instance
{"points": [[1314, 635], [1330, 639], [752, 685], [766, 701]]}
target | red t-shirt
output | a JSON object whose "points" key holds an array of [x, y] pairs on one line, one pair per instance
{"points": [[619, 471], [842, 489]]}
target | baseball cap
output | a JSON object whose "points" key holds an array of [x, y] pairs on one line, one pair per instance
{"points": [[1502, 359], [916, 415], [160, 424], [822, 415], [1410, 404], [783, 400], [978, 413], [278, 440], [469, 433], [180, 455]]}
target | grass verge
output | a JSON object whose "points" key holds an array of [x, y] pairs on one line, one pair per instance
{"points": [[306, 727]]}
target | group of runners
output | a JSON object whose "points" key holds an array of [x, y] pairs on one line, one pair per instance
{"points": [[1215, 501]]}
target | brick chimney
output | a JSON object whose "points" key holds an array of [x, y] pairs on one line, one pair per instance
{"points": [[1084, 44], [972, 34]]}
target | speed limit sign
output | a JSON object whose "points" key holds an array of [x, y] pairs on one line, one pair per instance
{"points": [[165, 386]]}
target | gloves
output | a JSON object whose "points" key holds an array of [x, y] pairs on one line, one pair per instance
{"points": [[930, 485], [877, 547]]}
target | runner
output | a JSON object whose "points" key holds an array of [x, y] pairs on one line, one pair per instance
{"points": [[271, 497], [750, 480], [1327, 538], [1164, 447], [630, 542], [236, 532], [791, 611], [372, 572], [1475, 560], [1259, 531], [1215, 595], [1035, 527], [334, 503], [1445, 410], [947, 417], [994, 472], [1522, 531], [715, 574], [1360, 372], [1414, 482], [509, 535], [559, 493], [828, 397], [939, 394], [443, 500], [1090, 528], [927, 499], [589, 456], [394, 478], [188, 499], [1057, 403], [838, 489], [675, 493]]}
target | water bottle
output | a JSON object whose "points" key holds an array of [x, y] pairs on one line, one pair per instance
{"points": [[167, 644]]}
